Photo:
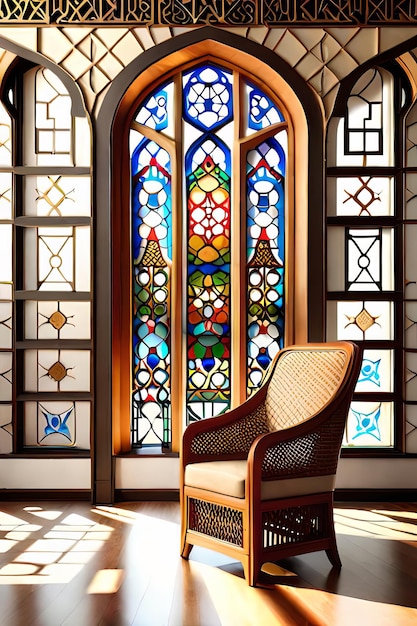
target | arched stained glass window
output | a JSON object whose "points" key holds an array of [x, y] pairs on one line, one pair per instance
{"points": [[208, 246]]}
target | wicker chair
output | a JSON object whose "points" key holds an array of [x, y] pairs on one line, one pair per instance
{"points": [[257, 482]]}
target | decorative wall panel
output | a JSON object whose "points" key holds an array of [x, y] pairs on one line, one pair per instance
{"points": [[194, 12]]}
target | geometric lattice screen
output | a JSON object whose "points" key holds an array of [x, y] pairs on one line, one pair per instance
{"points": [[45, 268], [371, 295]]}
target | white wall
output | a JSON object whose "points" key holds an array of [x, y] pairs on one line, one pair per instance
{"points": [[154, 473], [377, 474], [147, 473], [45, 474]]}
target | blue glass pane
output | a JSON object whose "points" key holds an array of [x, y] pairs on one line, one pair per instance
{"points": [[265, 257], [151, 247], [262, 112], [207, 97], [58, 425], [154, 112], [151, 196], [265, 189]]}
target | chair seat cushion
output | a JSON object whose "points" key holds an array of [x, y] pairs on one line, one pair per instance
{"points": [[228, 478]]}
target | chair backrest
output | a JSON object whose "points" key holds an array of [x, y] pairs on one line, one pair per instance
{"points": [[304, 380]]}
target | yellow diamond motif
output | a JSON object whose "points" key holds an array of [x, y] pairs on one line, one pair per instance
{"points": [[57, 371], [364, 320], [57, 320]]}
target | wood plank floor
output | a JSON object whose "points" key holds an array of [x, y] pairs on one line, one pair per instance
{"points": [[75, 564]]}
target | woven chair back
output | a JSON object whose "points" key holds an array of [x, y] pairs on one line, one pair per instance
{"points": [[303, 382]]}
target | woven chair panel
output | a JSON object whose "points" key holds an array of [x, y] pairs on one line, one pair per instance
{"points": [[303, 382], [316, 453], [216, 520], [234, 438], [294, 525]]}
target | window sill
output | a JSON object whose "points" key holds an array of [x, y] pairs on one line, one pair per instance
{"points": [[151, 451]]}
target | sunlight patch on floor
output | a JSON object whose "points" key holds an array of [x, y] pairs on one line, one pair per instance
{"points": [[120, 515], [272, 569], [229, 597], [331, 609], [375, 523], [106, 581], [57, 552]]}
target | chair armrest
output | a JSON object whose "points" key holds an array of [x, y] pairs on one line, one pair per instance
{"points": [[227, 436], [311, 448]]}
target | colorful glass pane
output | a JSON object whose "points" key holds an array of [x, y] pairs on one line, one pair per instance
{"points": [[206, 138], [151, 245], [265, 254], [155, 113], [208, 198], [207, 97], [369, 424], [376, 373], [57, 424], [262, 112]]}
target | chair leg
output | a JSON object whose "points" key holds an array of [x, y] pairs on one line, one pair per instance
{"points": [[186, 549], [249, 573], [333, 556], [332, 552]]}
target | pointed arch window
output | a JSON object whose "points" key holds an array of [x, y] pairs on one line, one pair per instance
{"points": [[209, 153]]}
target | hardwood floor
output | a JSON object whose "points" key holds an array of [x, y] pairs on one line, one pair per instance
{"points": [[74, 564]]}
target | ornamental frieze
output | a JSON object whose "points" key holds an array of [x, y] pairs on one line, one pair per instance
{"points": [[210, 12]]}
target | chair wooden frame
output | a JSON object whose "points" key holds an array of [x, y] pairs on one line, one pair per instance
{"points": [[255, 529]]}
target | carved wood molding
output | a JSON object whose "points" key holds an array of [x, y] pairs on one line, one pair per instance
{"points": [[210, 12]]}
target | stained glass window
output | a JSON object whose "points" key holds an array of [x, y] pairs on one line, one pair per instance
{"points": [[365, 271], [265, 247], [231, 246], [45, 294], [152, 257]]}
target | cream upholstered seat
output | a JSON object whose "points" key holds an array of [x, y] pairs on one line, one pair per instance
{"points": [[228, 478], [257, 482]]}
